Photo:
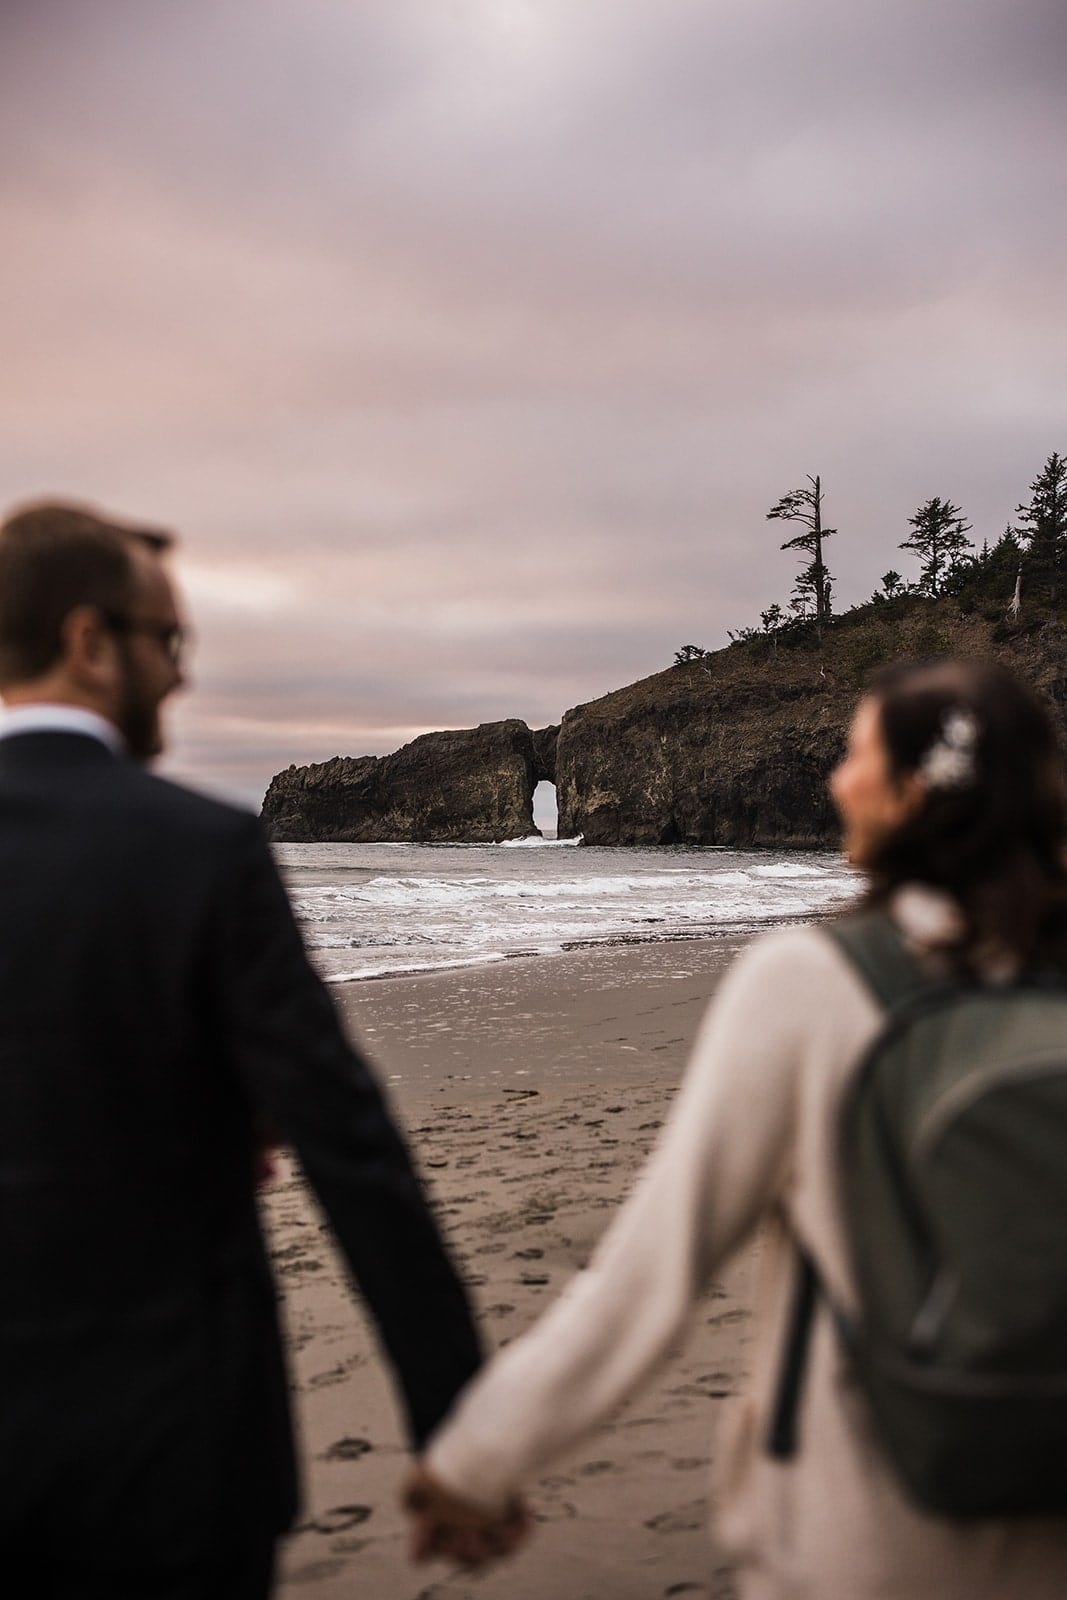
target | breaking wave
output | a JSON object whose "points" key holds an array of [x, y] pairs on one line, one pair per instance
{"points": [[372, 911]]}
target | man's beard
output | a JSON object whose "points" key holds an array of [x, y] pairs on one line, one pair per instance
{"points": [[138, 717]]}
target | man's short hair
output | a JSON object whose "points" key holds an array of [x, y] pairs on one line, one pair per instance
{"points": [[54, 557]]}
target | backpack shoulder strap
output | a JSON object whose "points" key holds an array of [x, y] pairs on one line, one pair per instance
{"points": [[781, 1440], [876, 948]]}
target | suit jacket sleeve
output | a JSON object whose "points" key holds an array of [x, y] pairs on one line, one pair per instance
{"points": [[285, 1040]]}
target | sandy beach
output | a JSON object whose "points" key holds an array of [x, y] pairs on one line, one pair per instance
{"points": [[531, 1091]]}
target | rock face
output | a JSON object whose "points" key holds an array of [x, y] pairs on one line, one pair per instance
{"points": [[735, 748], [474, 785], [688, 762], [731, 749]]}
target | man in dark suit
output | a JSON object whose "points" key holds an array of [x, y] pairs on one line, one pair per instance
{"points": [[156, 1010]]}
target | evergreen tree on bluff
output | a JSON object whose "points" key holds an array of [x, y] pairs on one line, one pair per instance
{"points": [[1042, 524], [813, 585], [940, 541]]}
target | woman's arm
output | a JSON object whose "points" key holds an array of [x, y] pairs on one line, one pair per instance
{"points": [[721, 1162]]}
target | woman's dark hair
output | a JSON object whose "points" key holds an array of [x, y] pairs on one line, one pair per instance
{"points": [[995, 837]]}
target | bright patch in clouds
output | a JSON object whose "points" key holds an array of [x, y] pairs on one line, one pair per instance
{"points": [[234, 587]]}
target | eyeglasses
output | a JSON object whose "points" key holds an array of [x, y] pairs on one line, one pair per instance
{"points": [[175, 639]]}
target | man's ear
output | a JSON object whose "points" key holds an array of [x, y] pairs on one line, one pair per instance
{"points": [[89, 649]]}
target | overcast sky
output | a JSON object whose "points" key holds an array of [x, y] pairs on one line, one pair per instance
{"points": [[466, 342]]}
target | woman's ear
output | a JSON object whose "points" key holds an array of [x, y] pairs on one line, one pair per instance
{"points": [[912, 792]]}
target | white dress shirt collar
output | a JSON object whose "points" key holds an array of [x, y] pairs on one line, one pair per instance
{"points": [[49, 718]]}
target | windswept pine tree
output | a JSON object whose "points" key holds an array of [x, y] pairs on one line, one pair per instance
{"points": [[940, 541], [771, 620], [812, 590], [1042, 525]]}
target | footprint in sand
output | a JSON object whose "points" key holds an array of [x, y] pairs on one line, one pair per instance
{"points": [[338, 1374], [559, 1511], [289, 1253], [299, 1268], [683, 1519], [724, 1318], [340, 1518], [347, 1450]]}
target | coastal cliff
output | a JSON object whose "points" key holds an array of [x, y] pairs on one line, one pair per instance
{"points": [[734, 748], [701, 757], [731, 748], [472, 785]]}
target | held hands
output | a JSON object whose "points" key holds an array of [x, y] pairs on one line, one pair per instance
{"points": [[445, 1525]]}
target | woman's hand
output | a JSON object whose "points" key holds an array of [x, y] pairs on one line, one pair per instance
{"points": [[447, 1526]]}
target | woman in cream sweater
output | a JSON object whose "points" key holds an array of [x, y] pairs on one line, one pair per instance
{"points": [[951, 800]]}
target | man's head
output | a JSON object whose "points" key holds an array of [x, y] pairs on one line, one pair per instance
{"points": [[88, 618]]}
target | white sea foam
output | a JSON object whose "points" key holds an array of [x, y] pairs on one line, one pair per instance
{"points": [[786, 869], [536, 841], [414, 969], [374, 910]]}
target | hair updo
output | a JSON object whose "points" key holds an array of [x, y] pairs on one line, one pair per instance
{"points": [[992, 829]]}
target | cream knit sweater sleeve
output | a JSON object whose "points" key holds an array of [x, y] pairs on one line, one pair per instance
{"points": [[721, 1162]]}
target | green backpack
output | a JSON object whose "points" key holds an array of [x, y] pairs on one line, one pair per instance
{"points": [[954, 1191]]}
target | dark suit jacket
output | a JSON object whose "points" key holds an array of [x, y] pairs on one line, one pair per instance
{"points": [[155, 1001]]}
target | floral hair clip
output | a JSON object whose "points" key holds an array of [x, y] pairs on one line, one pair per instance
{"points": [[949, 762]]}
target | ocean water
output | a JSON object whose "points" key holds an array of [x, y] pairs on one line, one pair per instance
{"points": [[384, 910]]}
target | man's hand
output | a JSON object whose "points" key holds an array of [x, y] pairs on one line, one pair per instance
{"points": [[447, 1526]]}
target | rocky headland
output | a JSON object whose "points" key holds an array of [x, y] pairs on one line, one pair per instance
{"points": [[471, 785], [732, 748]]}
